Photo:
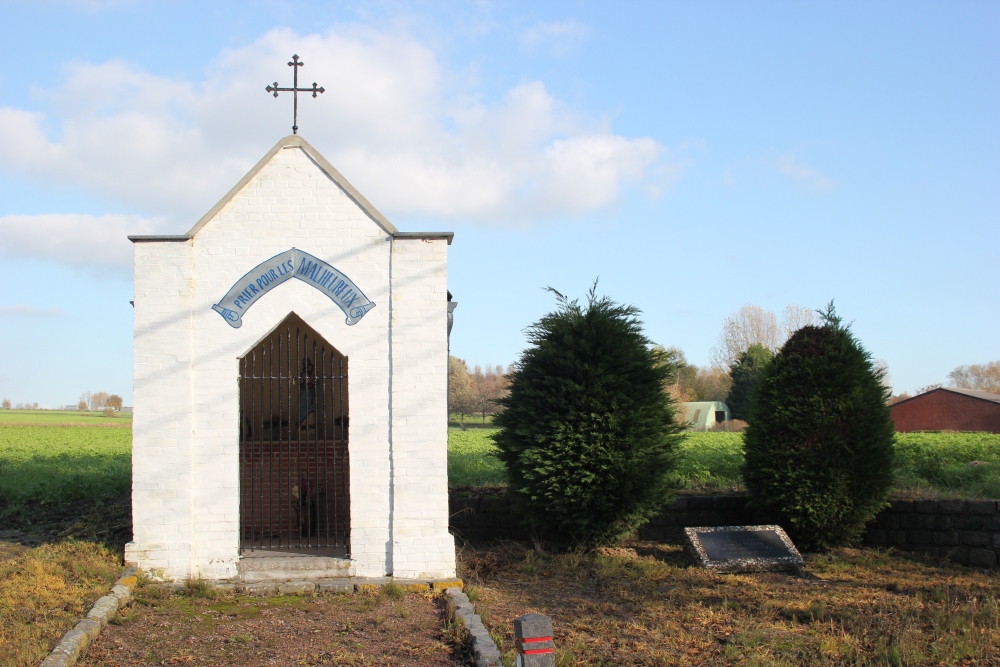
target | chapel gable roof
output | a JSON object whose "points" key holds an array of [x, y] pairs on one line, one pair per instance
{"points": [[296, 141]]}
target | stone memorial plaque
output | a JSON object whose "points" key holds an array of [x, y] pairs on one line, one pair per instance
{"points": [[743, 548]]}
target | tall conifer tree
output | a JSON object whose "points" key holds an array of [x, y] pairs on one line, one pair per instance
{"points": [[587, 430], [819, 446], [746, 376]]}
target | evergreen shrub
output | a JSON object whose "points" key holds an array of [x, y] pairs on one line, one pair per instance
{"points": [[746, 374], [819, 446], [587, 432]]}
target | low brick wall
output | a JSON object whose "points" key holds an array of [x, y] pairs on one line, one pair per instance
{"points": [[686, 511], [965, 531], [485, 518]]}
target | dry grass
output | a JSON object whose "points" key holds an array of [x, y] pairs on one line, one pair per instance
{"points": [[644, 605], [44, 592]]}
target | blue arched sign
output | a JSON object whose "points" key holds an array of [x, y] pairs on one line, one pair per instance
{"points": [[293, 263]]}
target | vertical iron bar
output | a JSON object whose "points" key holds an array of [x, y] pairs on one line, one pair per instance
{"points": [[335, 495], [326, 450], [298, 431], [311, 445], [287, 440], [241, 452], [343, 449], [252, 362], [314, 448], [256, 470], [270, 450]]}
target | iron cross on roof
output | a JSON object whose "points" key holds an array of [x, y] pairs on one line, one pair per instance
{"points": [[295, 90]]}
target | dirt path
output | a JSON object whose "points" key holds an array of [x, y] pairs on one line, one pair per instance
{"points": [[14, 542], [165, 628]]}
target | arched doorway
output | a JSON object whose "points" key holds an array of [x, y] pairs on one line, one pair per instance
{"points": [[294, 426]]}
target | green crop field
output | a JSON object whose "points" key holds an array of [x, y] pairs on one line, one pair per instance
{"points": [[472, 458], [64, 418], [953, 464], [944, 464], [710, 462], [57, 464], [58, 457]]}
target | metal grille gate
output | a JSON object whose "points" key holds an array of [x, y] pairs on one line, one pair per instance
{"points": [[293, 444]]}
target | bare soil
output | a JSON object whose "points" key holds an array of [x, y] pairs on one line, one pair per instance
{"points": [[205, 627]]}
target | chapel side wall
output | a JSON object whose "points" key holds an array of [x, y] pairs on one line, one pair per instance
{"points": [[289, 203], [161, 426], [422, 545]]}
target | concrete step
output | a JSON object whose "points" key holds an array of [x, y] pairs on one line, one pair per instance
{"points": [[339, 585], [292, 567]]}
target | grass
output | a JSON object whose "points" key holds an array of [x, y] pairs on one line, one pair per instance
{"points": [[45, 458], [64, 418], [955, 465], [44, 592], [710, 462], [472, 459], [865, 608], [642, 604], [42, 463]]}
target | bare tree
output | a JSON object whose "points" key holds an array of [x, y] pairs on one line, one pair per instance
{"points": [[753, 325], [684, 377], [490, 386], [461, 389], [983, 377], [85, 399], [711, 384], [99, 400], [748, 326], [6, 403], [882, 368], [695, 383], [794, 318]]}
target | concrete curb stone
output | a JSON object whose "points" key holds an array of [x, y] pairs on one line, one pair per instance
{"points": [[484, 649], [75, 643]]}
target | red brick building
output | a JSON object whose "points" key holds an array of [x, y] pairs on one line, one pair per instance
{"points": [[947, 409]]}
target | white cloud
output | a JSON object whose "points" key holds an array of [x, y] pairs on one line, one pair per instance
{"points": [[88, 242], [416, 138], [789, 165], [559, 36], [28, 311]]}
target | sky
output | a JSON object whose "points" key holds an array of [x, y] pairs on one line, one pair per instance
{"points": [[690, 157]]}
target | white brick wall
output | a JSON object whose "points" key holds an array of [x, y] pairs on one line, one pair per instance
{"points": [[421, 544], [186, 423]]}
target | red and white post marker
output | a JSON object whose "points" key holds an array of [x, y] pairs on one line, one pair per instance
{"points": [[533, 638]]}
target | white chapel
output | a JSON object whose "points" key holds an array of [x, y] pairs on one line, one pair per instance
{"points": [[290, 384]]}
